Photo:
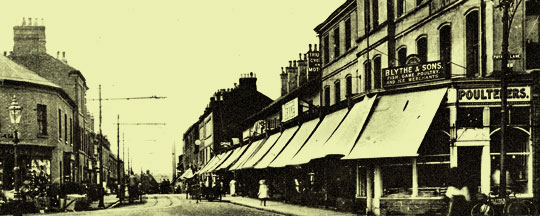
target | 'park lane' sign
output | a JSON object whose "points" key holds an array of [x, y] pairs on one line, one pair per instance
{"points": [[422, 72]]}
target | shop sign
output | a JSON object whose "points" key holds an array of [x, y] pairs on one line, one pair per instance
{"points": [[416, 73], [479, 95], [314, 62], [289, 110]]}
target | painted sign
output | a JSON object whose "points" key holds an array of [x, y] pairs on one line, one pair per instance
{"points": [[289, 110], [422, 72], [476, 95]]}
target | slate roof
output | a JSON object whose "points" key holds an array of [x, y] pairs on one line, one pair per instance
{"points": [[10, 70]]}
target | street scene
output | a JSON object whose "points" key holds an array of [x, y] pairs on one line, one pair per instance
{"points": [[238, 107]]}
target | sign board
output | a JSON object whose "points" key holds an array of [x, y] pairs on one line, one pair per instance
{"points": [[314, 62], [510, 56], [289, 110], [422, 72], [479, 95]]}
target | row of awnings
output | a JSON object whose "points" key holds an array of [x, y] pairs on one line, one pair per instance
{"points": [[393, 126]]}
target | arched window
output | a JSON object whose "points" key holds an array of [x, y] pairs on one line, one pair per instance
{"points": [[327, 96], [422, 48], [402, 55], [337, 91], [348, 85], [377, 72], [367, 75], [472, 44], [445, 47]]}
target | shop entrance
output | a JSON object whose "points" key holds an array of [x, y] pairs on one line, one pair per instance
{"points": [[469, 160]]}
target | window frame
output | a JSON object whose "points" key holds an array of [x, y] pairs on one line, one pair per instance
{"points": [[377, 72], [367, 75], [337, 91], [41, 112], [422, 48], [445, 46], [348, 85], [327, 102], [336, 38]]}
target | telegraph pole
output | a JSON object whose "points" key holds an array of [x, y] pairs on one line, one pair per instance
{"points": [[118, 178], [101, 204]]}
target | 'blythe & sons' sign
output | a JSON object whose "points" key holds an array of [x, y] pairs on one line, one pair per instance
{"points": [[420, 72]]}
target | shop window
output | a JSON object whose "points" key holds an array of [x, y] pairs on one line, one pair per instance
{"points": [[327, 96], [326, 49], [397, 180], [336, 43], [402, 56], [472, 44], [445, 47], [367, 75], [422, 48], [518, 150], [361, 181], [348, 85], [519, 116], [470, 117], [348, 34], [42, 119], [337, 91], [377, 72]]}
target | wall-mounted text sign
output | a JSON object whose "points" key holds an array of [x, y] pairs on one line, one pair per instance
{"points": [[493, 94], [422, 72]]}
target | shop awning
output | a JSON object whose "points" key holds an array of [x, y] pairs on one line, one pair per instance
{"points": [[267, 145], [207, 165], [398, 125], [296, 143], [234, 156], [325, 129], [187, 174], [277, 148], [221, 157], [343, 139], [254, 146]]}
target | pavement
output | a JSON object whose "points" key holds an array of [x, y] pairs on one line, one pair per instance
{"points": [[281, 207]]}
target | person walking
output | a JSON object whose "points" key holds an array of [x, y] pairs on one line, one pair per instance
{"points": [[458, 193], [263, 192], [232, 187]]}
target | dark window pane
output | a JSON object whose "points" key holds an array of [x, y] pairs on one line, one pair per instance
{"points": [[336, 43], [421, 46], [367, 78], [445, 43], [470, 117], [472, 44], [377, 72], [349, 85], [337, 88], [347, 34], [402, 56]]}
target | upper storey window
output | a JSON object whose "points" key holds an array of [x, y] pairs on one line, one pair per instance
{"points": [[402, 56], [348, 34], [326, 49], [336, 43], [472, 43], [445, 43], [422, 48]]}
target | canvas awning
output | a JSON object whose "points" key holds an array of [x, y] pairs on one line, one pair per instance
{"points": [[276, 149], [207, 165], [234, 156], [299, 139], [398, 125], [248, 154], [325, 129], [187, 174], [221, 158], [343, 139], [268, 144]]}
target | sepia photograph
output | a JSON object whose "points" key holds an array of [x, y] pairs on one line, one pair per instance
{"points": [[242, 107]]}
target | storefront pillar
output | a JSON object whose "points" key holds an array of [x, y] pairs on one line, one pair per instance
{"points": [[485, 175], [369, 186], [453, 135], [414, 179], [377, 189]]}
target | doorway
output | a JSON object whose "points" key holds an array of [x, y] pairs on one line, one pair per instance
{"points": [[469, 160]]}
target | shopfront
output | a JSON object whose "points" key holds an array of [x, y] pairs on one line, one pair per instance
{"points": [[34, 161]]}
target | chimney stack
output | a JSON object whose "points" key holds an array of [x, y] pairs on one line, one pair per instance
{"points": [[284, 81], [248, 81], [64, 57], [29, 38]]}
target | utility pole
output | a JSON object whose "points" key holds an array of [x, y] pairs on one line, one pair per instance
{"points": [[118, 177], [101, 196], [101, 204], [507, 22]]}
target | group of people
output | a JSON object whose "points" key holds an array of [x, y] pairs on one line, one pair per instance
{"points": [[165, 186]]}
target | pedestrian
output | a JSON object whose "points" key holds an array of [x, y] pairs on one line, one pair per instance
{"points": [[232, 187], [458, 193], [263, 192]]}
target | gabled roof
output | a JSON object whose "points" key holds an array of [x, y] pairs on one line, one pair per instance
{"points": [[10, 70]]}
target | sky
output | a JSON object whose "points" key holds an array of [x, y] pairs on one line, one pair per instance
{"points": [[182, 50]]}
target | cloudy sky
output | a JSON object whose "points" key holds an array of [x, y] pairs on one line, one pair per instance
{"points": [[182, 50]]}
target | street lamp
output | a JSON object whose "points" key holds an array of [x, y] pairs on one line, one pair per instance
{"points": [[15, 113]]}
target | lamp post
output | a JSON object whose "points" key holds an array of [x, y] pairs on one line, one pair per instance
{"points": [[15, 113]]}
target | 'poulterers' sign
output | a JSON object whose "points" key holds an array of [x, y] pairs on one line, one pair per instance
{"points": [[421, 72]]}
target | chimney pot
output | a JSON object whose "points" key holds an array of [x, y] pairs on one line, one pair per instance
{"points": [[282, 71], [35, 21], [309, 47], [42, 22], [23, 21], [315, 48], [57, 54], [63, 54], [300, 55], [294, 63], [250, 74], [29, 21], [290, 63]]}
